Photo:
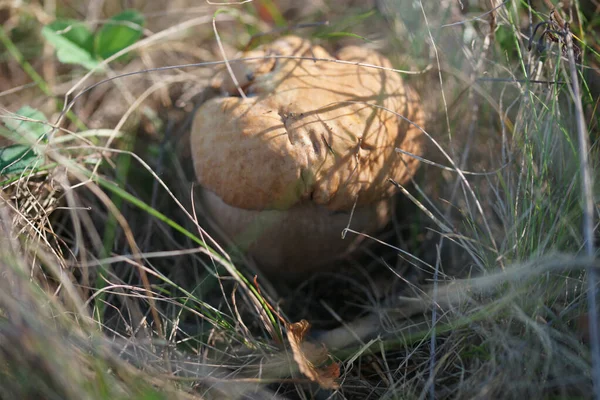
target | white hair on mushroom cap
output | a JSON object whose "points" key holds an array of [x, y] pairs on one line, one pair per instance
{"points": [[282, 170]]}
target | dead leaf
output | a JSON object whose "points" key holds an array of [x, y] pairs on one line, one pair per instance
{"points": [[310, 358]]}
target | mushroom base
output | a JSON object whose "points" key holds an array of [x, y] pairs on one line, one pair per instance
{"points": [[293, 242]]}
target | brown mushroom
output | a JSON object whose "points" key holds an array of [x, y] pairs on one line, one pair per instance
{"points": [[283, 167]]}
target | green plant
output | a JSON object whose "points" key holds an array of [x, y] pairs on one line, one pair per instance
{"points": [[76, 44], [28, 129]]}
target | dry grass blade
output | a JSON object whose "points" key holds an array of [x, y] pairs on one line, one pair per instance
{"points": [[587, 189]]}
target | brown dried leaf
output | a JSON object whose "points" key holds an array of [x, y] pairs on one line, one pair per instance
{"points": [[310, 358]]}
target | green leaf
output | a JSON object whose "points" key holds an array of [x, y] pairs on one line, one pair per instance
{"points": [[73, 42], [23, 130], [18, 157], [76, 32], [119, 32]]}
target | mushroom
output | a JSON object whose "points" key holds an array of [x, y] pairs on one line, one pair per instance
{"points": [[308, 150]]}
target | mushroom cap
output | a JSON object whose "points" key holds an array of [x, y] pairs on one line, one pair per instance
{"points": [[308, 151], [308, 131]]}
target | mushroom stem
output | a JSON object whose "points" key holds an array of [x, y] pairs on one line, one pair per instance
{"points": [[293, 241]]}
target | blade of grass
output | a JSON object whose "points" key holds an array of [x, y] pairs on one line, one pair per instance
{"points": [[115, 189], [111, 227]]}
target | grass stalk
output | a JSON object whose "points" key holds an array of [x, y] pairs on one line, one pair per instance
{"points": [[587, 191]]}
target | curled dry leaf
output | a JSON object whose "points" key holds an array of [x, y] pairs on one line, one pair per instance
{"points": [[310, 358], [311, 140]]}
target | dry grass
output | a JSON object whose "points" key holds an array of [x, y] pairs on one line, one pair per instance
{"points": [[476, 289]]}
